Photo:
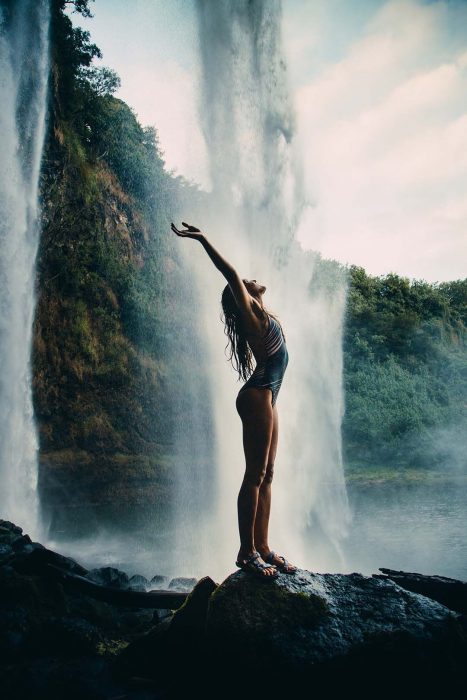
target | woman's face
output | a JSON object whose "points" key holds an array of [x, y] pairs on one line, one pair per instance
{"points": [[255, 289]]}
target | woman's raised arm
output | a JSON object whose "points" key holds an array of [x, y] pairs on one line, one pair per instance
{"points": [[240, 292]]}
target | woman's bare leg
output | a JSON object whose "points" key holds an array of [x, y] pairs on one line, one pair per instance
{"points": [[264, 497], [255, 410], [264, 502]]}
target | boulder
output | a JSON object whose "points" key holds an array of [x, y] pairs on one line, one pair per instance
{"points": [[183, 584], [61, 633], [173, 652], [6, 553], [448, 591], [66, 635], [139, 583], [247, 636], [9, 529], [335, 631], [15, 545], [159, 581], [34, 559], [109, 576]]}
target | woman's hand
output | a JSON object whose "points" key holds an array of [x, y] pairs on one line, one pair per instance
{"points": [[243, 298], [187, 232]]}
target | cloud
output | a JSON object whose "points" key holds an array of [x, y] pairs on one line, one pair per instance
{"points": [[380, 91], [384, 130]]}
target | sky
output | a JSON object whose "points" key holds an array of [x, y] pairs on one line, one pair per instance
{"points": [[380, 93]]}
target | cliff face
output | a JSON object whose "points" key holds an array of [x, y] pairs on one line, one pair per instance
{"points": [[106, 402], [97, 394]]}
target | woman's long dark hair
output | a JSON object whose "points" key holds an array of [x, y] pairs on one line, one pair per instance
{"points": [[240, 355]]}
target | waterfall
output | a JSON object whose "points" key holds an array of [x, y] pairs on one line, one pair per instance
{"points": [[24, 65], [256, 176]]}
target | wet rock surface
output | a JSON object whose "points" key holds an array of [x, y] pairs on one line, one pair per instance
{"points": [[182, 584], [329, 632], [334, 629], [109, 576], [56, 641], [159, 581]]}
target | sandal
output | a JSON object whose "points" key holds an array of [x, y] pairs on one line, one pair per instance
{"points": [[284, 566], [252, 564]]}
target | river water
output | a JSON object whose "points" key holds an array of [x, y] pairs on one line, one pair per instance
{"points": [[415, 527], [410, 526]]}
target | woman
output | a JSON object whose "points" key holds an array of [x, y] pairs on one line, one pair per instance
{"points": [[252, 331]]}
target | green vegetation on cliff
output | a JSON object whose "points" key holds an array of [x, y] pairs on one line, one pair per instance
{"points": [[405, 372], [106, 278]]}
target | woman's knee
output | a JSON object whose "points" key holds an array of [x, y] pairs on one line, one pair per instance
{"points": [[254, 475], [269, 473]]}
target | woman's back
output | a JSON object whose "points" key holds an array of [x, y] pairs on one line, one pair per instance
{"points": [[270, 353], [267, 336]]}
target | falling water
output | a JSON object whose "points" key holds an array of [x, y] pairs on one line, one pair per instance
{"points": [[23, 91], [255, 171]]}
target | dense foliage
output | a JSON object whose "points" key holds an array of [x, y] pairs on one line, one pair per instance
{"points": [[109, 320], [405, 371]]}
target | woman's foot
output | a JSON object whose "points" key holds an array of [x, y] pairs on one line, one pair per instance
{"points": [[254, 563], [278, 561]]}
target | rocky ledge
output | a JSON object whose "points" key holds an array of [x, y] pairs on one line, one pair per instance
{"points": [[71, 633]]}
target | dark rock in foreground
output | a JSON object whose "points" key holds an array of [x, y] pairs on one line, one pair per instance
{"points": [[323, 632], [109, 576], [63, 634], [181, 583], [447, 591], [334, 629], [62, 627]]}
